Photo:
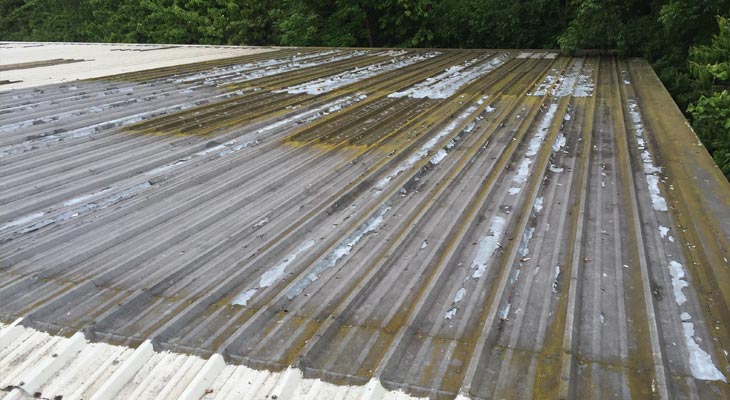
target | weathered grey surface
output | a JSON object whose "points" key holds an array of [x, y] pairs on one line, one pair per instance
{"points": [[502, 242]]}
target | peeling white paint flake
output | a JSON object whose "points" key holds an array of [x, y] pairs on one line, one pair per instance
{"points": [[46, 140], [243, 298], [504, 312], [513, 191], [22, 220], [342, 250], [663, 230], [49, 119], [523, 171], [678, 283], [700, 363], [516, 275], [488, 244], [556, 276], [425, 150], [274, 274], [37, 221], [546, 84], [261, 223], [568, 80], [650, 170], [576, 81], [659, 203], [538, 204], [459, 295], [584, 84], [524, 248], [390, 53], [554, 168], [330, 83], [560, 141], [316, 113], [439, 156], [251, 71], [542, 130], [447, 83], [86, 197], [49, 138], [218, 151]]}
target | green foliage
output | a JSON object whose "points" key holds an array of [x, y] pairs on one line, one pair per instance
{"points": [[673, 72], [403, 23], [57, 20], [254, 24], [711, 63], [117, 21], [596, 25], [297, 24], [689, 22], [499, 24], [711, 117], [710, 66]]}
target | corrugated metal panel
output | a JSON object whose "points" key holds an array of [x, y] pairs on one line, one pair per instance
{"points": [[485, 223]]}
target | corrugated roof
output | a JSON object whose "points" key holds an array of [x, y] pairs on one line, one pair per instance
{"points": [[361, 222]]}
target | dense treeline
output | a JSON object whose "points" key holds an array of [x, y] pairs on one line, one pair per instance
{"points": [[687, 41]]}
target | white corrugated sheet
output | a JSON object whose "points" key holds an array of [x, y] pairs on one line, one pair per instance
{"points": [[36, 364], [102, 59]]}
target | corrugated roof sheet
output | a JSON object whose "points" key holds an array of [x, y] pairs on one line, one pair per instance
{"points": [[361, 222]]}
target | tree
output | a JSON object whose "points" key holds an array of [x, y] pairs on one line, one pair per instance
{"points": [[43, 20], [118, 21], [710, 65], [624, 25], [255, 24], [499, 24]]}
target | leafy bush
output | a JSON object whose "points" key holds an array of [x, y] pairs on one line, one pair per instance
{"points": [[711, 117], [710, 66]]}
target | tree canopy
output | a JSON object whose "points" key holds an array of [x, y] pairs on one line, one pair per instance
{"points": [[710, 66]]}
